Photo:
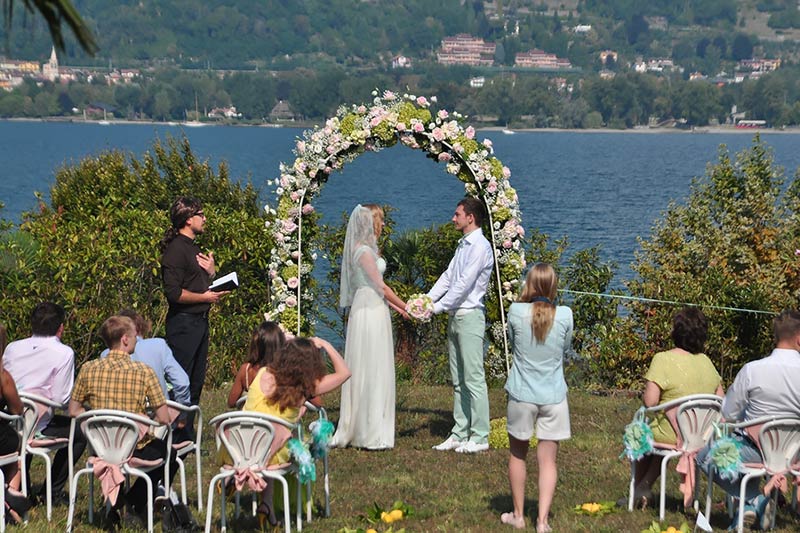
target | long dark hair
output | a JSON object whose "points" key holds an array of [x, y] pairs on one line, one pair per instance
{"points": [[266, 342], [183, 208]]}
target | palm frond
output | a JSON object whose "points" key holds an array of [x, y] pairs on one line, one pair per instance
{"points": [[55, 13]]}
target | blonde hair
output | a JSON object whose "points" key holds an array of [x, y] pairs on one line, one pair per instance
{"points": [[377, 217], [541, 283], [114, 328]]}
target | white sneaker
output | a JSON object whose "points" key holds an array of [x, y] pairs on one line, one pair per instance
{"points": [[450, 444], [472, 447]]}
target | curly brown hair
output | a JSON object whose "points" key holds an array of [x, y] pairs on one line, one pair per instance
{"points": [[297, 369]]}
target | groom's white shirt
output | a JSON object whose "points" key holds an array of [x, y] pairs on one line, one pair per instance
{"points": [[463, 285]]}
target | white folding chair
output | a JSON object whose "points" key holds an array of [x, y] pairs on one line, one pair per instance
{"points": [[184, 448], [779, 440], [247, 437], [321, 415], [112, 436], [6, 460], [33, 407], [695, 417]]}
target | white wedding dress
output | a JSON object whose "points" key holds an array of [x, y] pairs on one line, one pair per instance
{"points": [[366, 418]]}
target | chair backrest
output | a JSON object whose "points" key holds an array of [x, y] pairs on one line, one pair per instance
{"points": [[112, 436], [780, 443], [246, 436], [31, 412], [695, 419]]}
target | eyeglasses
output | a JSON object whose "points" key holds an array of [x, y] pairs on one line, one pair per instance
{"points": [[199, 214]]}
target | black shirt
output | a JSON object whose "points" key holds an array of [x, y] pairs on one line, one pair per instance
{"points": [[180, 270]]}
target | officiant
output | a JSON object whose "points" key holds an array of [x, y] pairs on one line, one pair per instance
{"points": [[186, 273]]}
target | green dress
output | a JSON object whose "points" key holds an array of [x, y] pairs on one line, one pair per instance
{"points": [[679, 374]]}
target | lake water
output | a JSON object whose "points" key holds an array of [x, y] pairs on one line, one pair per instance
{"points": [[601, 189]]}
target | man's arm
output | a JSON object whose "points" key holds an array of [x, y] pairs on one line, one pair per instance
{"points": [[64, 379], [177, 376], [75, 408], [735, 402], [460, 287]]}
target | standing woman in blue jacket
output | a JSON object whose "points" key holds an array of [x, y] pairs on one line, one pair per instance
{"points": [[540, 333]]}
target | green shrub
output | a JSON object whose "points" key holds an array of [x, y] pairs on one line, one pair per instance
{"points": [[95, 248]]}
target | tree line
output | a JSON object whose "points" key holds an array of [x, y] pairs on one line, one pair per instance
{"points": [[627, 100]]}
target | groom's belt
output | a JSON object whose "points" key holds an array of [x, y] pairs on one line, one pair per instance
{"points": [[461, 311]]}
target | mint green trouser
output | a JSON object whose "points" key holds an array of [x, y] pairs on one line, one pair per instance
{"points": [[470, 396]]}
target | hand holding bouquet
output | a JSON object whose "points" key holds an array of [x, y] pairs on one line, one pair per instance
{"points": [[420, 307]]}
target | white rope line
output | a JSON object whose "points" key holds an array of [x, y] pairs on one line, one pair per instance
{"points": [[669, 302]]}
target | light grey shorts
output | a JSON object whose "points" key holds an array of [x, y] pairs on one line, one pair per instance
{"points": [[551, 421]]}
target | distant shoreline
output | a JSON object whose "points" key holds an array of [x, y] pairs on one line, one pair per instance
{"points": [[306, 125]]}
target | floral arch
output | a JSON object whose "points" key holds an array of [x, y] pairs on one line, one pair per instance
{"points": [[359, 128]]}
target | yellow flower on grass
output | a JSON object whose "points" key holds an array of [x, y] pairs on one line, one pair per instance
{"points": [[396, 514], [387, 517], [372, 531], [591, 507]]}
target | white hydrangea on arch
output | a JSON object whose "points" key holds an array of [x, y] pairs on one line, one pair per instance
{"points": [[358, 128]]}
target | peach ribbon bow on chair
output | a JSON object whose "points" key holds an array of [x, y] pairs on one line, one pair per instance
{"points": [[685, 467], [246, 475], [110, 476]]}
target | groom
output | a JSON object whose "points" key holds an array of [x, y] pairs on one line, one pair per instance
{"points": [[459, 292]]}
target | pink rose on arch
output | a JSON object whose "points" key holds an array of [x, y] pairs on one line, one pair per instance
{"points": [[491, 186], [520, 231], [328, 170], [273, 274], [301, 147], [438, 134], [507, 244], [487, 143], [295, 254], [288, 226], [279, 236], [389, 95], [308, 209], [442, 114], [422, 101], [418, 127], [444, 157], [292, 282], [361, 109], [291, 301], [400, 126], [294, 195], [458, 148], [506, 172], [470, 132]]}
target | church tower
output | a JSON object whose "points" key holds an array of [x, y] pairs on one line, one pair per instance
{"points": [[50, 69]]}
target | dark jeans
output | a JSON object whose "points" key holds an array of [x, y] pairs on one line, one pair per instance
{"points": [[137, 494], [58, 427], [9, 441], [187, 336]]}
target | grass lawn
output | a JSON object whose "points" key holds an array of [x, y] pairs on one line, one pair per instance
{"points": [[454, 492]]}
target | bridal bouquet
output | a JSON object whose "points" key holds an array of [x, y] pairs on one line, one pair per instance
{"points": [[420, 307]]}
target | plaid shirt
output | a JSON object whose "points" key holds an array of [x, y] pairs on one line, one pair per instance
{"points": [[116, 382]]}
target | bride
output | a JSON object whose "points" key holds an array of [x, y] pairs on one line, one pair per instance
{"points": [[366, 417]]}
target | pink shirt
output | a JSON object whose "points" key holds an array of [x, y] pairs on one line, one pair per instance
{"points": [[43, 366]]}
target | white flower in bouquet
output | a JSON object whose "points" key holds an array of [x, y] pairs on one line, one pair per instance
{"points": [[420, 307]]}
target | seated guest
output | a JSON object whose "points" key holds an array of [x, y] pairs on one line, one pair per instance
{"points": [[9, 438], [766, 387], [281, 388], [155, 353], [117, 382], [265, 343], [678, 372], [42, 365]]}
